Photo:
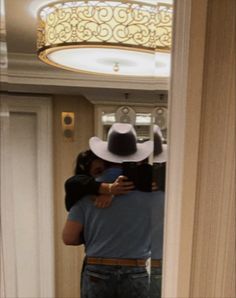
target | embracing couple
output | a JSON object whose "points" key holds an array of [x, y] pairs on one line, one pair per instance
{"points": [[123, 243]]}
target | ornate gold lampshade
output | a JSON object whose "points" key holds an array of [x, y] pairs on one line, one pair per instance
{"points": [[109, 37]]}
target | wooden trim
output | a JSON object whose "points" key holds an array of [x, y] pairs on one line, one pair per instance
{"points": [[184, 130], [8, 239], [213, 262]]}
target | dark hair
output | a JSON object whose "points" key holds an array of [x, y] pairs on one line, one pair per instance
{"points": [[84, 161]]}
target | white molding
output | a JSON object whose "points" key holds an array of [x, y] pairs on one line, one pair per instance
{"points": [[26, 69], [137, 103], [101, 108], [3, 74], [7, 239], [41, 106], [176, 140], [118, 97]]}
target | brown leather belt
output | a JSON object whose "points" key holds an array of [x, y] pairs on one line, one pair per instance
{"points": [[116, 262], [156, 263]]}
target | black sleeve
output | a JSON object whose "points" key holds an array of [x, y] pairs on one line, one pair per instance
{"points": [[77, 187], [160, 175]]}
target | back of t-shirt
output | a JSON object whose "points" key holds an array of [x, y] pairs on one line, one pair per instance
{"points": [[124, 230]]}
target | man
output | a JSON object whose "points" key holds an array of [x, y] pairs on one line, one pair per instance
{"points": [[117, 239]]}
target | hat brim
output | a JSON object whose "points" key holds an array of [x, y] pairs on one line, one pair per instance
{"points": [[99, 148], [162, 157]]}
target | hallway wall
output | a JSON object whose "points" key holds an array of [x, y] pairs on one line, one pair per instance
{"points": [[68, 259]]}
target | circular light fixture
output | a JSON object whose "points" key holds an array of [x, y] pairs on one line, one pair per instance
{"points": [[108, 37]]}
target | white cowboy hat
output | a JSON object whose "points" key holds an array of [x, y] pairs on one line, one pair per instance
{"points": [[160, 149], [121, 145]]}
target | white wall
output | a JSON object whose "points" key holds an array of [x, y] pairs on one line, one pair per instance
{"points": [[26, 197]]}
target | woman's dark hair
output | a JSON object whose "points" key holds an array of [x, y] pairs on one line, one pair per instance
{"points": [[84, 161]]}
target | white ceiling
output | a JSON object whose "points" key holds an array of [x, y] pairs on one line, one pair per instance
{"points": [[25, 73]]}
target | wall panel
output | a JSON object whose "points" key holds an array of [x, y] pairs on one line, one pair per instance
{"points": [[213, 262], [199, 248], [68, 259], [27, 246]]}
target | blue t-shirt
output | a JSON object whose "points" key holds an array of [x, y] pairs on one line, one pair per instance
{"points": [[124, 230], [157, 215]]}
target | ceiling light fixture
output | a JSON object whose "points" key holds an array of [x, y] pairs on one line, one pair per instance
{"points": [[108, 37]]}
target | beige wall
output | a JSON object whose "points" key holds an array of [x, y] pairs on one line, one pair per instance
{"points": [[213, 259], [199, 254], [68, 259]]}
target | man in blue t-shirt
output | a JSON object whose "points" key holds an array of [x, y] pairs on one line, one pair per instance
{"points": [[118, 239]]}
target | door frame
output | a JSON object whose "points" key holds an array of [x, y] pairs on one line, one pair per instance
{"points": [[183, 139], [42, 107]]}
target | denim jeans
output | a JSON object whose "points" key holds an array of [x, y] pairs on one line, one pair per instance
{"points": [[100, 281], [155, 282]]}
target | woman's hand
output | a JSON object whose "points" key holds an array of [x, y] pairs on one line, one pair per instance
{"points": [[154, 186], [103, 201], [121, 186]]}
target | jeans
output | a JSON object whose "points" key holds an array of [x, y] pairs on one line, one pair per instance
{"points": [[155, 283], [101, 281]]}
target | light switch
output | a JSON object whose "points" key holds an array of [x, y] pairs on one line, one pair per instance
{"points": [[68, 125]]}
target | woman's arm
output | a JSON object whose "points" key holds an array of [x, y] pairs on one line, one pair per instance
{"points": [[79, 186], [119, 187]]}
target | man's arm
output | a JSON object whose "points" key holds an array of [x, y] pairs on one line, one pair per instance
{"points": [[72, 233]]}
